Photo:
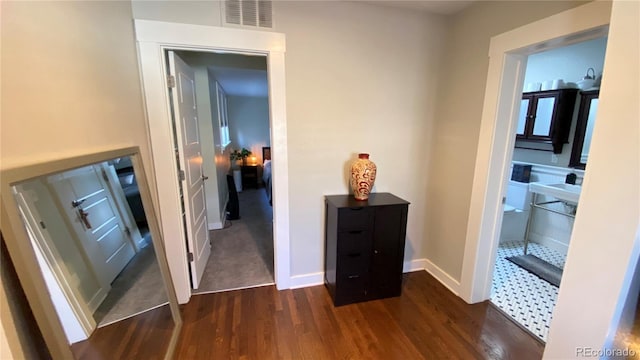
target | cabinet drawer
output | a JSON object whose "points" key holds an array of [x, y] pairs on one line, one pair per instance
{"points": [[357, 218], [354, 241], [350, 289], [353, 263]]}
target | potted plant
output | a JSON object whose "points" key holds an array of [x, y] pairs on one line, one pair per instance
{"points": [[237, 155]]}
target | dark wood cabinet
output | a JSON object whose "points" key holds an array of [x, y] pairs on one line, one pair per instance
{"points": [[545, 116], [584, 128], [249, 176], [364, 247]]}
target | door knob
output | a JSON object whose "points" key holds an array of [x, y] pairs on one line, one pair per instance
{"points": [[204, 177]]}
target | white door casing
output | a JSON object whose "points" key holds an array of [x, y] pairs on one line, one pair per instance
{"points": [[81, 324], [153, 38], [190, 161], [503, 95], [95, 219]]}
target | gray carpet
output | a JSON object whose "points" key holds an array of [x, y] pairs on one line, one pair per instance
{"points": [[138, 288], [542, 269], [242, 252]]}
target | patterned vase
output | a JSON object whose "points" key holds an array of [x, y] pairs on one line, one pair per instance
{"points": [[363, 175]]}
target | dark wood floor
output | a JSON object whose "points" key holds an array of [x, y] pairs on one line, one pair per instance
{"points": [[426, 322], [144, 336]]}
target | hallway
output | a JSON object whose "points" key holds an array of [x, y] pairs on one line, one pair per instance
{"points": [[242, 252]]}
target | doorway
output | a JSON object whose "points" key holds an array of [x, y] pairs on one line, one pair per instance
{"points": [[232, 107], [153, 39], [534, 241], [508, 55]]}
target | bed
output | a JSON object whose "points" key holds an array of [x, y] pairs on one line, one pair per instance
{"points": [[266, 171]]}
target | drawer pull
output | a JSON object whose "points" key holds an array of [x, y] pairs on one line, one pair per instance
{"points": [[354, 276], [356, 232], [354, 255], [357, 208]]}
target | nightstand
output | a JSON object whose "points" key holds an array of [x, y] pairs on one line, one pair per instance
{"points": [[249, 176]]}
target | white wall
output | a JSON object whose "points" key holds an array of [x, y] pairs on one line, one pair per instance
{"points": [[180, 11], [569, 63], [70, 86], [459, 102], [360, 78], [354, 86], [249, 124], [223, 162], [602, 251]]}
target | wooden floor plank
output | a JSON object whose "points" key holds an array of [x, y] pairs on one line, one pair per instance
{"points": [[426, 322]]}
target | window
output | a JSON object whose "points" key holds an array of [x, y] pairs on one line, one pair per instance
{"points": [[223, 116]]}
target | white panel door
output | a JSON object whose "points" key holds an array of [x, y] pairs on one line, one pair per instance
{"points": [[94, 216], [190, 162]]}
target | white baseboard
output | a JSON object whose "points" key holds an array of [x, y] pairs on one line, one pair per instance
{"points": [[549, 242], [306, 280], [414, 265], [314, 279], [215, 225], [444, 278]]}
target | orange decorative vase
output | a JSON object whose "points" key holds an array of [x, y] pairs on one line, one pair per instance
{"points": [[363, 175]]}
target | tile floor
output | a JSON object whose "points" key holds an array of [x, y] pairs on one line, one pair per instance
{"points": [[528, 299]]}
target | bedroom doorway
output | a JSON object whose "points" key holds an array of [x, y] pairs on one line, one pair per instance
{"points": [[154, 38], [232, 107]]}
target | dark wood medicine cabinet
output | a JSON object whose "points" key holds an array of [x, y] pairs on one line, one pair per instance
{"points": [[545, 119], [584, 128]]}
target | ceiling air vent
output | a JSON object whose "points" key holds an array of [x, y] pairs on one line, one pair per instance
{"points": [[248, 13]]}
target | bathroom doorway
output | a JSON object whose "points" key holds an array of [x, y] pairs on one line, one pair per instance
{"points": [[555, 120]]}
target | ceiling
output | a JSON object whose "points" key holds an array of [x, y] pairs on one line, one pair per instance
{"points": [[445, 7], [241, 82]]}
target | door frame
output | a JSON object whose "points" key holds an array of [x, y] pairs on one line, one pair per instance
{"points": [[508, 53], [153, 39], [79, 326]]}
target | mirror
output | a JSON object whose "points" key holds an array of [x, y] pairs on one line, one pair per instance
{"points": [[584, 128], [85, 242]]}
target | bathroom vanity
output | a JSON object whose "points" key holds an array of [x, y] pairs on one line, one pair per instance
{"points": [[568, 194]]}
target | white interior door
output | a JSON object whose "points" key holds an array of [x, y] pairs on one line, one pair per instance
{"points": [[94, 216], [190, 162]]}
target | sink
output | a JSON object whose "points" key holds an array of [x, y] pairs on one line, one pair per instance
{"points": [[566, 192]]}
